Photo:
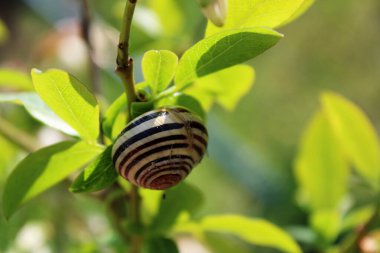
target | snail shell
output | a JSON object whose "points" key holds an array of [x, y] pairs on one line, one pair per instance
{"points": [[158, 149]]}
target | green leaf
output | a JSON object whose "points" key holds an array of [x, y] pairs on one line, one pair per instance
{"points": [[98, 175], [138, 108], [38, 110], [13, 79], [301, 10], [250, 13], [182, 197], [357, 217], [183, 100], [159, 68], [223, 50], [150, 202], [320, 167], [44, 168], [356, 135], [111, 115], [224, 243], [326, 223], [7, 156], [160, 245], [226, 86], [255, 231], [70, 100]]}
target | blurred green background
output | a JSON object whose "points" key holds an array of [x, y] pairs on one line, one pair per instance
{"points": [[249, 169]]}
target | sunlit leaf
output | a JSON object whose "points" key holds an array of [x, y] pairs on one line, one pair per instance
{"points": [[301, 10], [320, 167], [7, 155], [169, 25], [38, 110], [356, 134], [111, 115], [70, 100], [150, 200], [98, 175], [15, 80], [250, 13], [184, 100], [138, 108], [357, 217], [226, 86], [182, 197], [160, 245], [223, 50], [44, 168], [159, 68], [224, 243], [326, 223], [255, 231]]}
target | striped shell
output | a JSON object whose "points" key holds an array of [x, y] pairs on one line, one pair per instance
{"points": [[158, 149]]}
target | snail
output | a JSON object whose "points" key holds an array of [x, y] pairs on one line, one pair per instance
{"points": [[158, 149]]}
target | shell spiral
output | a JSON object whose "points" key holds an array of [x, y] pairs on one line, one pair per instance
{"points": [[159, 149]]}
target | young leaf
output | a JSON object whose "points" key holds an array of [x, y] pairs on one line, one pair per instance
{"points": [[183, 100], [357, 217], [38, 110], [108, 124], [306, 4], [138, 108], [44, 168], [183, 197], [356, 135], [98, 175], [158, 68], [15, 80], [326, 223], [223, 50], [224, 243], [255, 231], [226, 86], [160, 245], [248, 13], [70, 100], [320, 166]]}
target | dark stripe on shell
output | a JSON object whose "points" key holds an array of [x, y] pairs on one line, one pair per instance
{"points": [[199, 150], [197, 125], [140, 173], [158, 160], [148, 153], [165, 181], [170, 171], [200, 139], [152, 143], [143, 119], [144, 134]]}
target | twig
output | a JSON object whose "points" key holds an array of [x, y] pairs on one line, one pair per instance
{"points": [[124, 63], [85, 32], [135, 205], [17, 137], [125, 70]]}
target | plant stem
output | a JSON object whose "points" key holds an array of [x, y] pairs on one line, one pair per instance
{"points": [[17, 137], [85, 32], [135, 205], [124, 62], [125, 71]]}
